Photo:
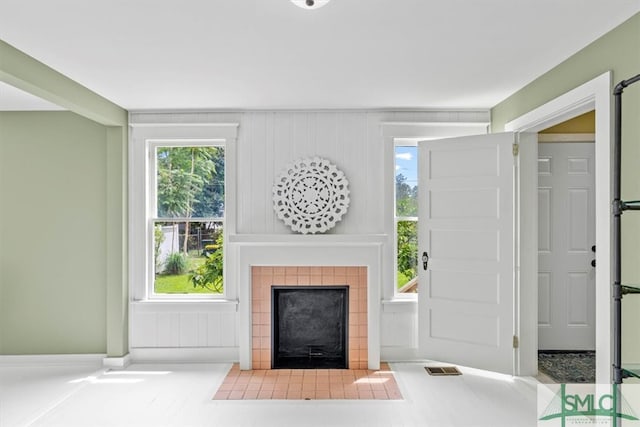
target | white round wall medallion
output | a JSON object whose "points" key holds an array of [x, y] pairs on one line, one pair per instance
{"points": [[311, 195]]}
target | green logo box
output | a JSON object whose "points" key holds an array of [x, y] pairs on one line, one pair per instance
{"points": [[563, 405]]}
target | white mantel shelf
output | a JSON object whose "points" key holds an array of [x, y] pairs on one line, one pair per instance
{"points": [[307, 239]]}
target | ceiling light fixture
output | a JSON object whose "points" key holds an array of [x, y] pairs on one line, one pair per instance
{"points": [[310, 4]]}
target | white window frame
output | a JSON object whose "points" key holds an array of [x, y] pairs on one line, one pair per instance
{"points": [[144, 139]]}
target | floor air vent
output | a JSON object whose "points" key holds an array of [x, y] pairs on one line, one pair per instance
{"points": [[442, 370]]}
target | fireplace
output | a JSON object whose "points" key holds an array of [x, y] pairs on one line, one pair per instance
{"points": [[309, 327], [291, 260]]}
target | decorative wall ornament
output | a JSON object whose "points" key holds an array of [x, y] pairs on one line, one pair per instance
{"points": [[311, 195]]}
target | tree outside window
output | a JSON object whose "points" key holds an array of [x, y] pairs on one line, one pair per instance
{"points": [[188, 226], [406, 218]]}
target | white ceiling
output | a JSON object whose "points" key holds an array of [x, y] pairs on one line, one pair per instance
{"points": [[255, 54]]}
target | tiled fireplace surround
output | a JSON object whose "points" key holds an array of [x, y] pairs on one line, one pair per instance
{"points": [[262, 278], [310, 260]]}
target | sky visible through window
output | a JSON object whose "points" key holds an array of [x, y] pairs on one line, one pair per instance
{"points": [[407, 164]]}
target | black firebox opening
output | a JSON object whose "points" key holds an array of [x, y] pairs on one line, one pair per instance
{"points": [[309, 327]]}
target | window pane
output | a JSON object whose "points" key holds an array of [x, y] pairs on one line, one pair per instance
{"points": [[190, 182], [406, 181], [407, 235], [188, 257]]}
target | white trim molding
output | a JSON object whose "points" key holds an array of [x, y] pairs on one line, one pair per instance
{"points": [[52, 359], [117, 362], [566, 137], [594, 94]]}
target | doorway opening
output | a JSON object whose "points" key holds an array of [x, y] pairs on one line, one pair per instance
{"points": [[566, 251], [592, 95]]}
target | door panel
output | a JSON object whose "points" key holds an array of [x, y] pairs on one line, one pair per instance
{"points": [[566, 204], [466, 225], [544, 296]]}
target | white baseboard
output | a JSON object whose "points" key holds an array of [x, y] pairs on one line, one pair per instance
{"points": [[116, 362], [181, 355], [399, 354], [185, 355], [51, 359]]}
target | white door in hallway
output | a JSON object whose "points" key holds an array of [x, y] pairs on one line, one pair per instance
{"points": [[566, 235], [466, 228]]}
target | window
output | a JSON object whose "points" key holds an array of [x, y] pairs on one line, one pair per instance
{"points": [[406, 218], [186, 218], [401, 139], [174, 209]]}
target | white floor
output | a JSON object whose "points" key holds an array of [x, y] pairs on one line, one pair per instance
{"points": [[180, 395]]}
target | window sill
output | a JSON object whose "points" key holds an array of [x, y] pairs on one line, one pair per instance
{"points": [[400, 305], [172, 305]]}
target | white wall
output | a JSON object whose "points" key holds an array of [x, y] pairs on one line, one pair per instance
{"points": [[193, 331], [267, 142]]}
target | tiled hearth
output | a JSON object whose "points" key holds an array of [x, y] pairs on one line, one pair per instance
{"points": [[308, 384], [262, 278]]}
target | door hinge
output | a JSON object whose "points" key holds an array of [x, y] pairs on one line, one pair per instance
{"points": [[516, 149], [516, 341]]}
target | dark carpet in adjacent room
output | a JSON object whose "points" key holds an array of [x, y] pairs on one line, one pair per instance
{"points": [[568, 367]]}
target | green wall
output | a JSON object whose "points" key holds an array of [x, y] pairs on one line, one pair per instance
{"points": [[91, 300], [52, 233], [617, 51]]}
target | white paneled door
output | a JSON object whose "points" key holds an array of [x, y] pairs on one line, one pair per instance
{"points": [[466, 228], [566, 235]]}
